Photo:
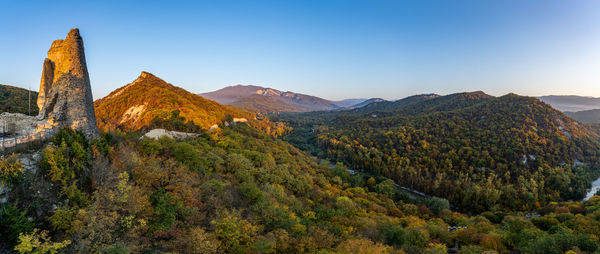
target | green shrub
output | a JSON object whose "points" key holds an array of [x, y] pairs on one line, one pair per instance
{"points": [[436, 204], [10, 170], [545, 222], [13, 222], [63, 218], [165, 210]]}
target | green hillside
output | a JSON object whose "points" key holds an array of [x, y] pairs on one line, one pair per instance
{"points": [[479, 152], [16, 100], [241, 191]]}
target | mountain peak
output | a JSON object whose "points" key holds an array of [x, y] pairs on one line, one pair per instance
{"points": [[148, 78], [145, 75]]}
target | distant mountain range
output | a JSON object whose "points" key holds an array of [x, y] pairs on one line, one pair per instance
{"points": [[571, 103], [580, 108], [262, 99], [268, 99], [350, 102], [586, 116], [365, 103]]}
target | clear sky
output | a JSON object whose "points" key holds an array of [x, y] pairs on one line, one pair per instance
{"points": [[330, 48]]}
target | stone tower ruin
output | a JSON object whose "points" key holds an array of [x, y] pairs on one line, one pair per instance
{"points": [[65, 95]]}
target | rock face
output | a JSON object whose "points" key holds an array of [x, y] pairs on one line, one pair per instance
{"points": [[65, 96], [159, 133]]}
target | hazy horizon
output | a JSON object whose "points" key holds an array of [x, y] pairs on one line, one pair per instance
{"points": [[335, 49]]}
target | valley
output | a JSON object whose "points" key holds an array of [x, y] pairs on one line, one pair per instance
{"points": [[583, 109], [423, 173], [417, 174], [325, 127], [470, 137]]}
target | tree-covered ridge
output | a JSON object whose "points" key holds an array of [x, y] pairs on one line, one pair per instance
{"points": [[242, 191], [16, 100], [426, 103], [148, 98], [236, 191], [480, 152]]}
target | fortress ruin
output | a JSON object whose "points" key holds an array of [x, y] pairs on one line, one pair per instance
{"points": [[65, 97]]}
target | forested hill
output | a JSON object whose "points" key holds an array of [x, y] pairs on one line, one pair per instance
{"points": [[238, 190], [16, 100], [478, 151], [150, 100], [426, 103]]}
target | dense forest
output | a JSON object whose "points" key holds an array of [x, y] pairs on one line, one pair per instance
{"points": [[244, 189], [480, 152], [240, 190], [16, 100]]}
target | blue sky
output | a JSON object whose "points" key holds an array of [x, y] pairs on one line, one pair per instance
{"points": [[330, 48]]}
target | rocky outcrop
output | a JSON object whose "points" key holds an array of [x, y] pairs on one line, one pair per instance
{"points": [[159, 133], [65, 96]]}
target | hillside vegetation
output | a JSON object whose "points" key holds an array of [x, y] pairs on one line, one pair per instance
{"points": [[480, 152], [239, 189], [242, 191], [16, 100], [150, 99]]}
